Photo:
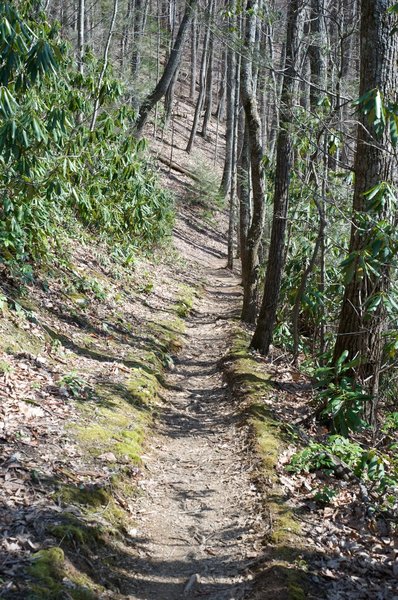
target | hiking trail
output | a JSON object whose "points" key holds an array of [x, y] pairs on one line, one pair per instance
{"points": [[198, 518]]}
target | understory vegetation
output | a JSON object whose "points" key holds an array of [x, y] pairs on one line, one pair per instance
{"points": [[58, 167]]}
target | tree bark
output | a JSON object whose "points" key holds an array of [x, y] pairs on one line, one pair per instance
{"points": [[361, 331], [171, 66], [140, 11], [194, 54], [202, 85], [232, 191], [104, 65], [209, 80], [249, 257], [265, 325], [243, 185], [316, 51], [230, 107], [80, 36]]}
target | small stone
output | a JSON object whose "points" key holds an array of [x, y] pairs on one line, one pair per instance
{"points": [[108, 457], [192, 583]]}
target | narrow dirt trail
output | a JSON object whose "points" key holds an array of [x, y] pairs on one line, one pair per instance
{"points": [[197, 516]]}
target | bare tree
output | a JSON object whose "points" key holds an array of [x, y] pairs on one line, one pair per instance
{"points": [[284, 160], [169, 70]]}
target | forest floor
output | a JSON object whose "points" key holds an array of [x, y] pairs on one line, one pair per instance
{"points": [[200, 518], [143, 447]]}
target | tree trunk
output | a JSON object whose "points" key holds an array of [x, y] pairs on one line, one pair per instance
{"points": [[202, 85], [360, 330], [124, 40], [265, 325], [209, 81], [232, 191], [304, 278], [222, 87], [171, 66], [169, 98], [140, 10], [194, 54], [104, 65], [250, 258], [80, 36], [230, 106], [243, 184], [316, 52]]}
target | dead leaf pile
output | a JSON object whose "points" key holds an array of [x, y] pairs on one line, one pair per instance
{"points": [[354, 552]]}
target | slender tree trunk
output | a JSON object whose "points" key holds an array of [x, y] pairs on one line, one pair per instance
{"points": [[265, 325], [80, 36], [230, 107], [304, 278], [250, 258], [169, 98], [170, 68], [209, 79], [222, 88], [140, 10], [243, 184], [194, 54], [316, 51], [317, 61], [202, 85], [124, 40], [104, 65], [232, 191]]}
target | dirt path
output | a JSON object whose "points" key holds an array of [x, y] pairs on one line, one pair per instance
{"points": [[197, 516]]}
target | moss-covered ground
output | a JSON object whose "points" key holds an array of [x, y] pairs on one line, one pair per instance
{"points": [[105, 335], [249, 382]]}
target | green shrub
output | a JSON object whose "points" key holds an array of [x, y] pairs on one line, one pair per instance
{"points": [[53, 170]]}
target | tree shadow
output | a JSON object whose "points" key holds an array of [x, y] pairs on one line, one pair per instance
{"points": [[128, 565]]}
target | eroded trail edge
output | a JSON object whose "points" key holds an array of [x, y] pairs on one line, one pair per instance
{"points": [[198, 515]]}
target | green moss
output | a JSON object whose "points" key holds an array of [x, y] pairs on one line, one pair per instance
{"points": [[48, 567], [185, 299], [296, 592], [76, 534], [131, 445], [86, 495], [14, 339], [168, 334], [55, 579], [5, 367], [123, 414], [143, 386], [295, 585], [269, 444], [284, 526], [249, 378], [82, 594]]}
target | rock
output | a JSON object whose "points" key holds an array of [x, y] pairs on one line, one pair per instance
{"points": [[108, 457], [193, 581]]}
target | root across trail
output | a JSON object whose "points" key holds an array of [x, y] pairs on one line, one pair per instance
{"points": [[198, 518]]}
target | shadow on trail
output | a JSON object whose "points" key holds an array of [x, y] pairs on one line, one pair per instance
{"points": [[202, 247], [133, 573]]}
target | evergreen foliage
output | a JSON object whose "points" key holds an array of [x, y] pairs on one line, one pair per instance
{"points": [[53, 170]]}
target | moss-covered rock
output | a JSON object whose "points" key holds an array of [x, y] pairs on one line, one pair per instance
{"points": [[53, 578]]}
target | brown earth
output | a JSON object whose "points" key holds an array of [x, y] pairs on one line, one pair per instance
{"points": [[198, 519]]}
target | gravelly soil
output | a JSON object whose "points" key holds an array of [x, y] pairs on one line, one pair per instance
{"points": [[199, 523]]}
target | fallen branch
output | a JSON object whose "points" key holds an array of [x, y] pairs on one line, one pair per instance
{"points": [[176, 167]]}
